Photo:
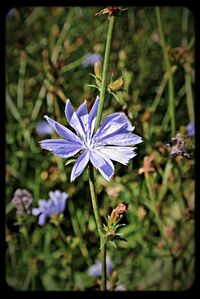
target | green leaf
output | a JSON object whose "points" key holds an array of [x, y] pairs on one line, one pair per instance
{"points": [[12, 107], [93, 76], [119, 237], [91, 85], [103, 243], [117, 98], [70, 161], [113, 244]]}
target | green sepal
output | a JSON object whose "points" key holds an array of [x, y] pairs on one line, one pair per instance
{"points": [[117, 98], [103, 243], [113, 244], [119, 237], [91, 85], [70, 161]]}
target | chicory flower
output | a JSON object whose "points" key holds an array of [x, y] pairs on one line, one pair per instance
{"points": [[54, 206], [113, 140]]}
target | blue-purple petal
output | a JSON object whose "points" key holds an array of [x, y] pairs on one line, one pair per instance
{"points": [[73, 119], [117, 153], [35, 211], [42, 219], [115, 123], [102, 163], [82, 113], [58, 200], [62, 205], [79, 165], [61, 147], [43, 128], [121, 139], [93, 115], [62, 131]]}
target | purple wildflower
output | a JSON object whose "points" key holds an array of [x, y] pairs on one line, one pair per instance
{"points": [[112, 141], [95, 270], [55, 205], [91, 59], [43, 128], [190, 129], [22, 201]]}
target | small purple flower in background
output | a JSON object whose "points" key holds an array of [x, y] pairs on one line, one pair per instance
{"points": [[91, 59], [43, 128], [95, 270], [22, 201], [47, 208], [190, 129], [113, 140]]}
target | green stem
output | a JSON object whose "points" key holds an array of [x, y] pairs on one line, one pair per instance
{"points": [[103, 267], [105, 70], [99, 225], [169, 71]]}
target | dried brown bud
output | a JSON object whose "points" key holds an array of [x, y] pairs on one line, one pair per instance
{"points": [[119, 210]]}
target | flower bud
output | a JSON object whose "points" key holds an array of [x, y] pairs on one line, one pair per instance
{"points": [[116, 85], [97, 69], [119, 210]]}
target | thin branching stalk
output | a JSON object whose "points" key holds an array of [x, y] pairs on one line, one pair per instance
{"points": [[99, 225], [105, 69], [91, 169]]}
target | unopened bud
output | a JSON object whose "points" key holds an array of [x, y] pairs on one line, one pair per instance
{"points": [[119, 210], [116, 85], [97, 69]]}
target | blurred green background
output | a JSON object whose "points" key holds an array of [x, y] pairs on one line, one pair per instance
{"points": [[45, 49]]}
